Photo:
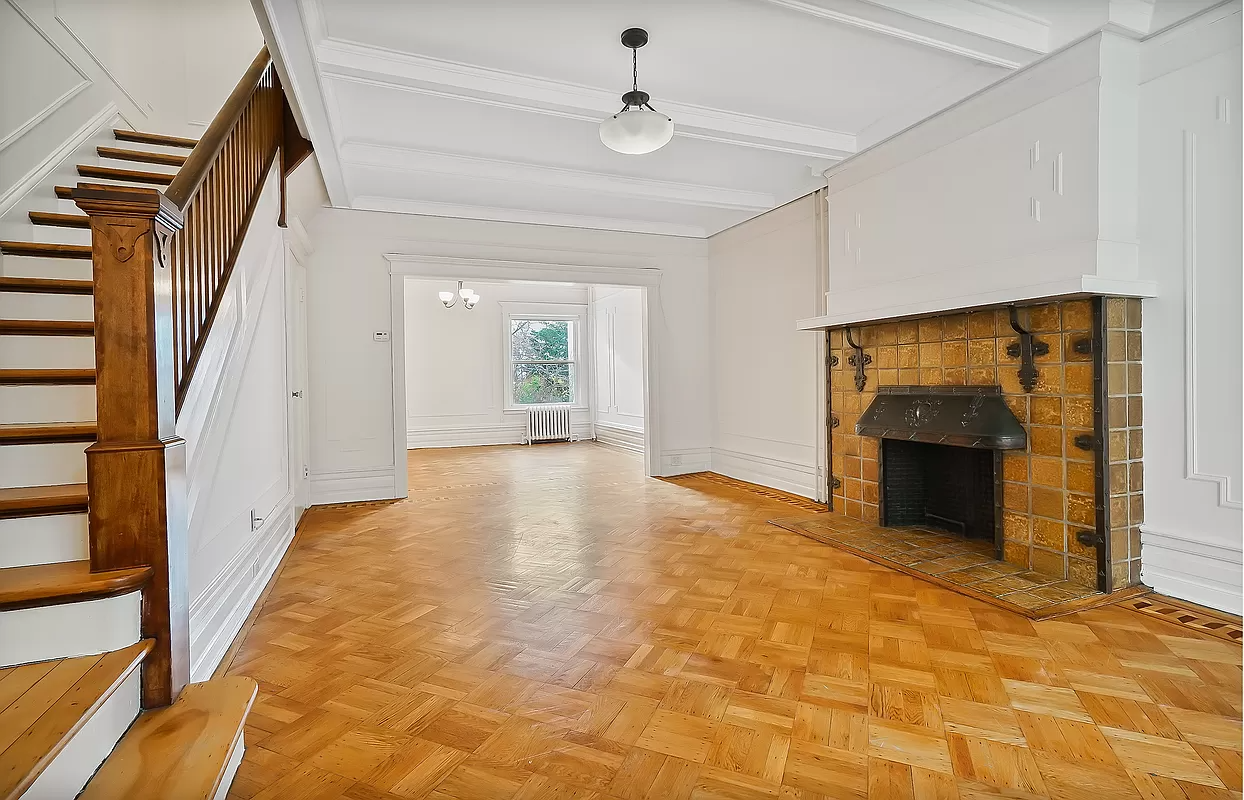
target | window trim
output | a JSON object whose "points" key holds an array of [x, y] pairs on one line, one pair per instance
{"points": [[552, 312]]}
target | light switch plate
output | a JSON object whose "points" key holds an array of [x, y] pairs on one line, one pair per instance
{"points": [[381, 336]]}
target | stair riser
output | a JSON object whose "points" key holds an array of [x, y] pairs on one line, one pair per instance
{"points": [[25, 404], [58, 235], [73, 767], [21, 305], [47, 352], [70, 629], [27, 267], [43, 540], [42, 464]]}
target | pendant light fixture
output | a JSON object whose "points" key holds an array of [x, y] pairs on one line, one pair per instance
{"points": [[469, 297], [638, 128]]}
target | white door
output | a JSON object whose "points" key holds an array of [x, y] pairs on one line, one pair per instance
{"points": [[296, 337]]}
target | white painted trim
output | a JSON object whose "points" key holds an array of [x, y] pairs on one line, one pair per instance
{"points": [[236, 751], [1083, 286], [397, 352], [72, 92], [623, 437], [217, 614], [1202, 572], [409, 159], [581, 364], [429, 208], [1228, 496], [787, 476], [1022, 35], [354, 485], [360, 63], [483, 435], [140, 107], [623, 273], [32, 180], [693, 459]]}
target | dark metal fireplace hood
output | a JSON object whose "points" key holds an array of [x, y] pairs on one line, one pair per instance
{"points": [[963, 416]]}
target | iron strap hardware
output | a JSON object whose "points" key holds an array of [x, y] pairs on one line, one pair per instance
{"points": [[833, 421], [859, 360], [1025, 350], [1084, 442], [837, 484]]}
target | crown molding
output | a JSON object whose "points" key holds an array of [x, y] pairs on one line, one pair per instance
{"points": [[425, 208], [988, 32], [351, 61], [441, 163]]}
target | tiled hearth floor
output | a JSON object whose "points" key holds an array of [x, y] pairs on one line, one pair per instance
{"points": [[955, 562], [546, 623]]}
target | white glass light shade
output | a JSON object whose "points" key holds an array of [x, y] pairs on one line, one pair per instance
{"points": [[447, 298], [636, 131]]}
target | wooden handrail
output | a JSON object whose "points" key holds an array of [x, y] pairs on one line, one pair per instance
{"points": [[194, 171]]}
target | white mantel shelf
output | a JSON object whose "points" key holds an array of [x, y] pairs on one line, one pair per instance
{"points": [[1066, 289]]}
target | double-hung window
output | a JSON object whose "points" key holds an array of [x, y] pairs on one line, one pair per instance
{"points": [[542, 360]]}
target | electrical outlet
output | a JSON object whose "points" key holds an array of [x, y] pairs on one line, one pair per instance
{"points": [[676, 461], [381, 336], [256, 521]]}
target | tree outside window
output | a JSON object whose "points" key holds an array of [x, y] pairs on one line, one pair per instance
{"points": [[542, 359]]}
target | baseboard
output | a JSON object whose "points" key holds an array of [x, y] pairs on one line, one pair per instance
{"points": [[623, 437], [684, 461], [1206, 573], [219, 611], [480, 435], [352, 486], [787, 476]]}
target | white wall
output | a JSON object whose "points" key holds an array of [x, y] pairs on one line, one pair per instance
{"points": [[1190, 144], [618, 356], [71, 69], [766, 381], [456, 362], [236, 423], [349, 298]]}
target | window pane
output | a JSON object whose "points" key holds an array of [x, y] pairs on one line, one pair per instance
{"points": [[540, 340], [543, 383]]}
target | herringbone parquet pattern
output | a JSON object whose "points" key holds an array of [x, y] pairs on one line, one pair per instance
{"points": [[546, 623]]}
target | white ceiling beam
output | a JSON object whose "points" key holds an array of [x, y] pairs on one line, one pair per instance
{"points": [[290, 28], [366, 64], [988, 32], [600, 183]]}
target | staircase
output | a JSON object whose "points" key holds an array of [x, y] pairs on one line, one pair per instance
{"points": [[94, 640]]}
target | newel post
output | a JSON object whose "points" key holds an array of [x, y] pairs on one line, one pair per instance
{"points": [[136, 468]]}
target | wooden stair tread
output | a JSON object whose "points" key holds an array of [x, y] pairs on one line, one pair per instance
{"points": [[45, 285], [47, 377], [65, 582], [141, 156], [45, 249], [130, 175], [180, 751], [54, 220], [153, 138], [38, 501], [42, 706], [46, 327], [66, 192], [47, 432]]}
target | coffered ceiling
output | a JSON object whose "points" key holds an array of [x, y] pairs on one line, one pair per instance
{"points": [[489, 109]]}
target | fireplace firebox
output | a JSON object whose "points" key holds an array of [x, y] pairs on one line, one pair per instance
{"points": [[941, 457]]}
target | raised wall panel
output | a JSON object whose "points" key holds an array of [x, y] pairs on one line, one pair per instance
{"points": [[36, 78]]}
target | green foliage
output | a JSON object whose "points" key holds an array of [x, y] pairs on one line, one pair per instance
{"points": [[542, 341]]}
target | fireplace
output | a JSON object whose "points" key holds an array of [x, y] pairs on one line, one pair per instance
{"points": [[941, 457]]}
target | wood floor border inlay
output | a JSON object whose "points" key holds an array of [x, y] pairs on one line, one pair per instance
{"points": [[1188, 615]]}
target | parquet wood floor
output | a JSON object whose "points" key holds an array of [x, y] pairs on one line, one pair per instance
{"points": [[547, 623]]}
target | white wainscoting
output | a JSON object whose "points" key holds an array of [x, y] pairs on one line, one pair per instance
{"points": [[1193, 569], [217, 614], [788, 476], [483, 435], [625, 437], [686, 461]]}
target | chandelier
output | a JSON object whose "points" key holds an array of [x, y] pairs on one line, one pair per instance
{"points": [[469, 297]]}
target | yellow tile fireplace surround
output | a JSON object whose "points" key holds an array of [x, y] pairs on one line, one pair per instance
{"points": [[1072, 500]]}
